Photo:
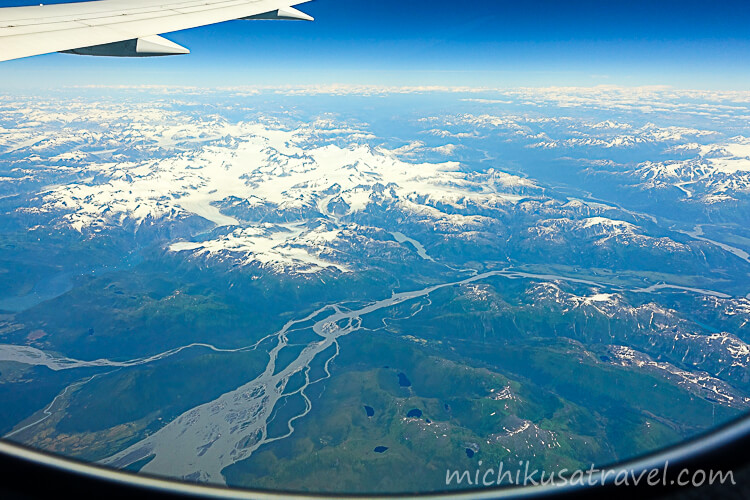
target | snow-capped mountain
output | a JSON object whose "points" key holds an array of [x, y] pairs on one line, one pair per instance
{"points": [[515, 264], [715, 173], [278, 191], [654, 329]]}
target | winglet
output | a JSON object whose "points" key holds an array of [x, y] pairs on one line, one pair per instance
{"points": [[286, 13], [158, 46], [148, 46]]}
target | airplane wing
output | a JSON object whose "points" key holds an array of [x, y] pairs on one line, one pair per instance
{"points": [[127, 28]]}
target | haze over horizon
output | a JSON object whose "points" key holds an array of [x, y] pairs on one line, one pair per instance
{"points": [[491, 44]]}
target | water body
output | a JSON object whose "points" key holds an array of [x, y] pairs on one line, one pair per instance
{"points": [[403, 380], [663, 286], [402, 238], [32, 356], [697, 233], [681, 187], [204, 440], [592, 201], [203, 208], [50, 409], [60, 284], [42, 291]]}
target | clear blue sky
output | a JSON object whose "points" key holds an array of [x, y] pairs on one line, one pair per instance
{"points": [[687, 43]]}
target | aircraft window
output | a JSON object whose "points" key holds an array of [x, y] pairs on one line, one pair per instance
{"points": [[402, 248]]}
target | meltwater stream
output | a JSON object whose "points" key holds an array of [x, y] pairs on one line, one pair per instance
{"points": [[201, 442], [204, 440]]}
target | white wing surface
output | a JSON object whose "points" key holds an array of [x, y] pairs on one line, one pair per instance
{"points": [[127, 28]]}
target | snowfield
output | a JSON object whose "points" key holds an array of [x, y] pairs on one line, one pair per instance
{"points": [[263, 168]]}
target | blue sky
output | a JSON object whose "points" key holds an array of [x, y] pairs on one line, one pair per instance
{"points": [[687, 44]]}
